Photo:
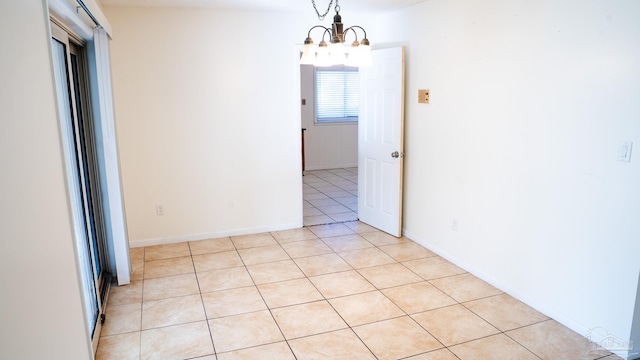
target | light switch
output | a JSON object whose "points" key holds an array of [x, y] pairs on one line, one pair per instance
{"points": [[624, 151], [423, 96]]}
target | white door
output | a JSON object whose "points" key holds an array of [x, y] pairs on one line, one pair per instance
{"points": [[380, 141]]}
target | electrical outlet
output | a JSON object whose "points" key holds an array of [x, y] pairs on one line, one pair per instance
{"points": [[159, 210], [423, 96]]}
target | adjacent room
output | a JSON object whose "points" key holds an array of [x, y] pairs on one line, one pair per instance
{"points": [[159, 199]]}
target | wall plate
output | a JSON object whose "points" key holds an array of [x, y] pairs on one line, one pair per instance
{"points": [[423, 96]]}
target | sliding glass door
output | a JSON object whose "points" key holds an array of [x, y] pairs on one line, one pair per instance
{"points": [[78, 138]]}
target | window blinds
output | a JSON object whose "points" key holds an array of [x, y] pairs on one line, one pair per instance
{"points": [[337, 94]]}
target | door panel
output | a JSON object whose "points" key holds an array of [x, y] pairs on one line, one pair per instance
{"points": [[380, 135]]}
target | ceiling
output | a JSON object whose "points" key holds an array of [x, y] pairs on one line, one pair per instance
{"points": [[370, 6]]}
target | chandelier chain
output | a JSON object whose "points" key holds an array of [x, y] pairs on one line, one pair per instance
{"points": [[321, 17]]}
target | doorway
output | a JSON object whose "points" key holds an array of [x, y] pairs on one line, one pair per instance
{"points": [[330, 178], [378, 147]]}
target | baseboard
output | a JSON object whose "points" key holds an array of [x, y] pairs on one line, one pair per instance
{"points": [[525, 298], [213, 235]]}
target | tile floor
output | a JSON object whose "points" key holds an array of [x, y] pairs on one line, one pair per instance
{"points": [[330, 196], [339, 291]]}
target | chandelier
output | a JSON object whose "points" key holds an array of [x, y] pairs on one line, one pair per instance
{"points": [[336, 53]]}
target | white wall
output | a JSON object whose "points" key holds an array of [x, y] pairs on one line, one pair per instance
{"points": [[327, 146], [208, 116], [208, 122], [41, 312], [529, 100]]}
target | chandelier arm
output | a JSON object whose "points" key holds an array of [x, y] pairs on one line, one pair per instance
{"points": [[354, 31], [355, 34], [318, 26], [325, 32]]}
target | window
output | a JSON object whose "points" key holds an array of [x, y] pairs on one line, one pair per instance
{"points": [[337, 91]]}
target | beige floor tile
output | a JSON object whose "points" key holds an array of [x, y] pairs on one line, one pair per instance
{"points": [[170, 286], [365, 308], [496, 347], [183, 341], [224, 279], [173, 311], [339, 194], [126, 294], [168, 267], [122, 319], [253, 240], [233, 302], [505, 312], [433, 267], [336, 345], [345, 216], [419, 297], [406, 251], [243, 325], [243, 331], [341, 284], [215, 261], [551, 340], [323, 202], [322, 264], [211, 246], [390, 275], [287, 236], [454, 324], [274, 272], [308, 319], [441, 354], [275, 351], [119, 347], [347, 243], [333, 209], [166, 251], [368, 257], [316, 220], [380, 238], [347, 200], [396, 338], [465, 287], [137, 270], [360, 227], [306, 248], [313, 211], [289, 292], [331, 230], [263, 254], [136, 254]]}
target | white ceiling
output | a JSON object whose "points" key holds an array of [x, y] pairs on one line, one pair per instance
{"points": [[347, 6]]}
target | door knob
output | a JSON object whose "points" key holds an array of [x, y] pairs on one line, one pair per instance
{"points": [[395, 154]]}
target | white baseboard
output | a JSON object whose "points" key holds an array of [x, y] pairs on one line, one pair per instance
{"points": [[213, 235]]}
